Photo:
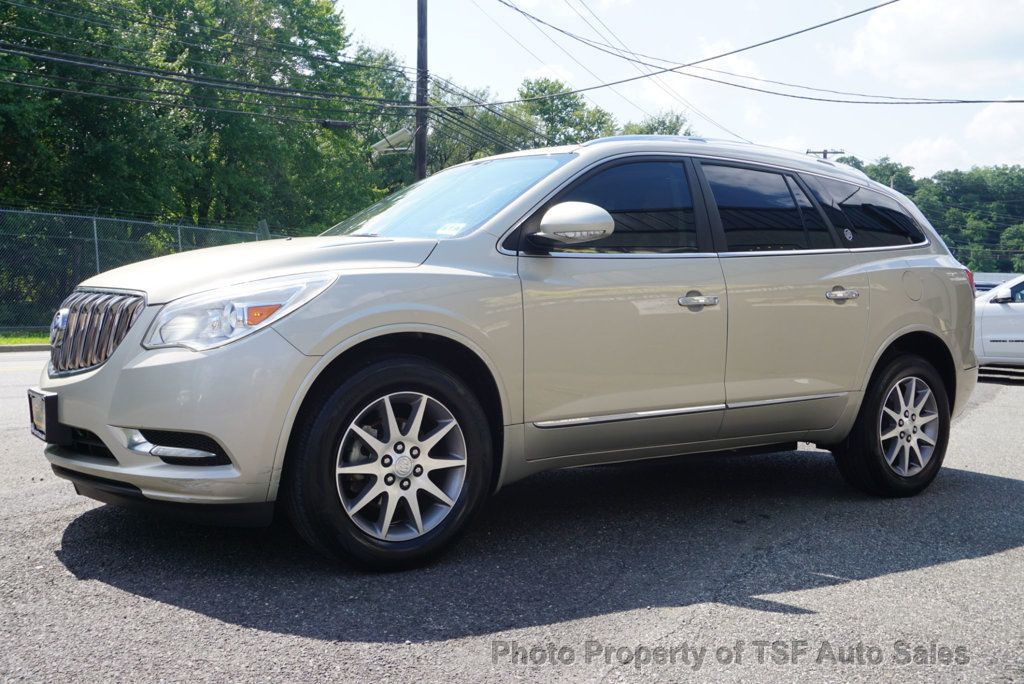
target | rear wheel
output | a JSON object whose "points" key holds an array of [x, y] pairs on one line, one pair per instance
{"points": [[389, 467], [898, 442]]}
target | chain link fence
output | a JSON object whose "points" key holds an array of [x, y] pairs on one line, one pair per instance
{"points": [[43, 256]]}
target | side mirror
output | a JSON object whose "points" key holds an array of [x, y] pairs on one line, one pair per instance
{"points": [[574, 223], [1002, 296]]}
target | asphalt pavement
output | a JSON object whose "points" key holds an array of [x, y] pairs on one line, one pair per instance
{"points": [[704, 567]]}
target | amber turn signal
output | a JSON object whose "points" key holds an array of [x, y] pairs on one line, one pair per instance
{"points": [[254, 315]]}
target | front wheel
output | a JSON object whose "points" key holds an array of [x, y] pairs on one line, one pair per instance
{"points": [[899, 440], [389, 467]]}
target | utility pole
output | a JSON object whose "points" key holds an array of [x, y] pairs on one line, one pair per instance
{"points": [[420, 141], [825, 152]]}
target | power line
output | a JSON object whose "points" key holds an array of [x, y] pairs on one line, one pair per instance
{"points": [[457, 114], [453, 89], [455, 120], [203, 81], [177, 77], [517, 42], [137, 50], [703, 60], [155, 91], [590, 71], [857, 102], [657, 80], [148, 20], [68, 91], [609, 49], [819, 90]]}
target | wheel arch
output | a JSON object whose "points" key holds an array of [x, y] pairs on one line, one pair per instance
{"points": [[927, 345], [457, 354]]}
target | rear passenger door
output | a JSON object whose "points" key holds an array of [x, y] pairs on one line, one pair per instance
{"points": [[798, 308]]}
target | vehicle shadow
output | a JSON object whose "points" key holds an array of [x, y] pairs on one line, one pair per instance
{"points": [[567, 545]]}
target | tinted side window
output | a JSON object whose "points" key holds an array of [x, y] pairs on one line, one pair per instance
{"points": [[651, 205], [818, 234], [873, 219], [757, 210]]}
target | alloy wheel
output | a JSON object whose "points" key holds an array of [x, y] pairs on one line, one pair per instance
{"points": [[908, 426], [401, 466]]}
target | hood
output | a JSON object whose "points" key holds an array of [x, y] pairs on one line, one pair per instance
{"points": [[169, 277]]}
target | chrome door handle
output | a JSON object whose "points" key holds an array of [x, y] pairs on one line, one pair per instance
{"points": [[698, 300], [840, 295]]}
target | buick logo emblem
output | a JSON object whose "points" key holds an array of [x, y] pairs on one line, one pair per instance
{"points": [[848, 234], [58, 327]]}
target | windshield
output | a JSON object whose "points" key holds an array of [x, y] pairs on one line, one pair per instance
{"points": [[452, 202]]}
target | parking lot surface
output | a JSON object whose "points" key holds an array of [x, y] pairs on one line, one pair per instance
{"points": [[725, 567]]}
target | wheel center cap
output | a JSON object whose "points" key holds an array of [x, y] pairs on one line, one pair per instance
{"points": [[403, 466]]}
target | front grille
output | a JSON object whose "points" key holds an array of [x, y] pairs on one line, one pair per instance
{"points": [[89, 327]]}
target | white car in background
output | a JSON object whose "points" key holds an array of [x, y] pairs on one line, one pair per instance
{"points": [[999, 324]]}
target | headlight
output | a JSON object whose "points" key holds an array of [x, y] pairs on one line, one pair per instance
{"points": [[211, 319]]}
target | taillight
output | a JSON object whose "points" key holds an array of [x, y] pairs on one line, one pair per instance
{"points": [[970, 279]]}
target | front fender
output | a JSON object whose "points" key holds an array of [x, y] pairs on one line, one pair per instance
{"points": [[481, 312]]}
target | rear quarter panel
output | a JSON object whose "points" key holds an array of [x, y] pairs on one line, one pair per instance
{"points": [[920, 289]]}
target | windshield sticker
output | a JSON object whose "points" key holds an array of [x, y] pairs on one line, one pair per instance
{"points": [[450, 228]]}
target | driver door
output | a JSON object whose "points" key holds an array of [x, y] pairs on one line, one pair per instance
{"points": [[616, 367]]}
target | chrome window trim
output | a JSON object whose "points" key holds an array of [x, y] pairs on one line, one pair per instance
{"points": [[611, 255], [698, 156], [834, 250], [659, 413]]}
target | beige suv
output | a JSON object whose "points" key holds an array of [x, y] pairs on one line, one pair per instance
{"points": [[629, 298]]}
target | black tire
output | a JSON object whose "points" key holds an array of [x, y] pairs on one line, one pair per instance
{"points": [[310, 489], [860, 458]]}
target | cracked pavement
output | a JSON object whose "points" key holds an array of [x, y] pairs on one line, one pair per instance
{"points": [[754, 558]]}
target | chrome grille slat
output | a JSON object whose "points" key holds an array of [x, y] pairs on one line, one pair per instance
{"points": [[116, 309], [59, 357], [97, 323], [77, 336], [95, 339], [84, 319]]}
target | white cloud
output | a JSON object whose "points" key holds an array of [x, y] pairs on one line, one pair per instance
{"points": [[999, 126], [950, 45], [555, 71], [791, 143], [995, 135], [928, 155], [721, 104]]}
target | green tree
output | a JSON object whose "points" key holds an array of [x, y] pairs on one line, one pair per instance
{"points": [[663, 123], [893, 174], [851, 160], [196, 162], [565, 119], [1012, 245]]}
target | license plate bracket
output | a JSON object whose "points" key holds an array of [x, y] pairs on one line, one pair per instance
{"points": [[42, 410]]}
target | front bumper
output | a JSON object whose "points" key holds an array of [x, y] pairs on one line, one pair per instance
{"points": [[129, 496], [238, 394]]}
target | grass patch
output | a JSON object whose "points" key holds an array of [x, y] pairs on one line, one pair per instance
{"points": [[24, 337]]}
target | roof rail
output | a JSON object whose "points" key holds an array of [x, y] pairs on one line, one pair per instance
{"points": [[653, 138]]}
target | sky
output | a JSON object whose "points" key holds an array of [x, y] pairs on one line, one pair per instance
{"points": [[970, 49]]}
